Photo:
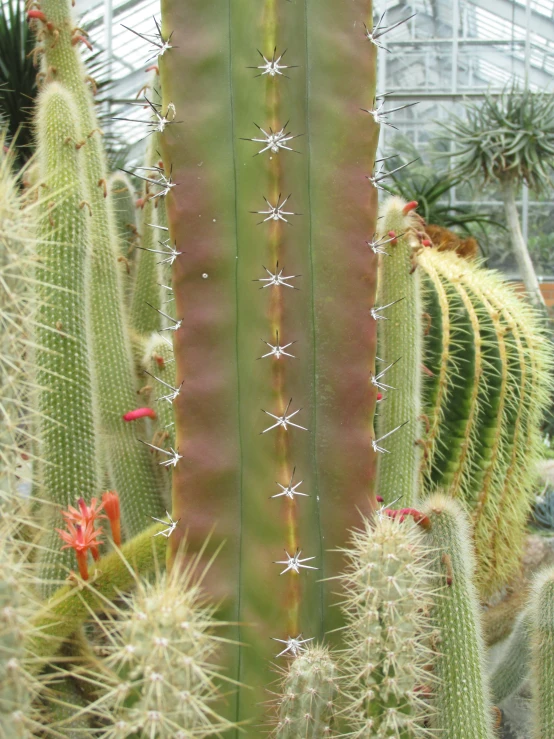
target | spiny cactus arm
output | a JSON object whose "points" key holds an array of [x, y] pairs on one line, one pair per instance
{"points": [[65, 402], [388, 590], [147, 292], [72, 604], [160, 673], [123, 196], [114, 383], [542, 655], [308, 696], [461, 698], [159, 362], [400, 338], [513, 666]]}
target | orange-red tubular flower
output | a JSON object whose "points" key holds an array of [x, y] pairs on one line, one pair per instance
{"points": [[85, 515], [81, 539], [110, 501]]}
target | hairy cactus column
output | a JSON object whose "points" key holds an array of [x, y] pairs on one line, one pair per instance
{"points": [[65, 404], [113, 375], [462, 695], [400, 341], [542, 655]]}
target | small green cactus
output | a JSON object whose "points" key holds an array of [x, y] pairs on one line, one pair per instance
{"points": [[462, 696], [388, 594], [308, 696], [542, 655], [400, 347], [161, 650], [514, 662]]}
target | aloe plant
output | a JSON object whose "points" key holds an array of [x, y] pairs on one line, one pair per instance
{"points": [[508, 140], [257, 389]]}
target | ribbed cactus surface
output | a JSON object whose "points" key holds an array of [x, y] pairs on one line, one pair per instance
{"points": [[271, 247], [542, 655], [485, 390]]}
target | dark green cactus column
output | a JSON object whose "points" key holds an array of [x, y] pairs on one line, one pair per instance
{"points": [[270, 213]]}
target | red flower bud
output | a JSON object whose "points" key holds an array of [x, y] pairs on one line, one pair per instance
{"points": [[140, 413], [110, 501]]}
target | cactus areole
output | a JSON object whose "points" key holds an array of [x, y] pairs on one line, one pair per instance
{"points": [[271, 208]]}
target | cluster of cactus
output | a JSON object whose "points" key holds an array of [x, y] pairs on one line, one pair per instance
{"points": [[145, 334]]}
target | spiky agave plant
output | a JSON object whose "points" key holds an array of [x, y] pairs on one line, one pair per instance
{"points": [[508, 140]]}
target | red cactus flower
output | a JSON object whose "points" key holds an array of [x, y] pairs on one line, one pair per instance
{"points": [[419, 517], [81, 539], [36, 15], [85, 515], [412, 205], [110, 501], [140, 413]]}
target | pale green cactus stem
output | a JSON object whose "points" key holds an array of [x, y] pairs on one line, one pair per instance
{"points": [[71, 605], [388, 593], [18, 689], [308, 696], [399, 346], [542, 655], [123, 197], [461, 695], [129, 461], [513, 665], [159, 362], [65, 405], [162, 656], [147, 293]]}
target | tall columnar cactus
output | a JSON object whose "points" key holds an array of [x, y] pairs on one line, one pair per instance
{"points": [[388, 595], [398, 376], [461, 697], [271, 248], [67, 439], [489, 365], [129, 462], [542, 655]]}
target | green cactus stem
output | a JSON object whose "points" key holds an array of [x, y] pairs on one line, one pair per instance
{"points": [[309, 694], [123, 197], [163, 648], [65, 401], [513, 665], [461, 700], [388, 591], [229, 457], [147, 293], [542, 655], [400, 339], [159, 362], [129, 462], [73, 603]]}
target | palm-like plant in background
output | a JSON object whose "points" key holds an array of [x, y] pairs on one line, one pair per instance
{"points": [[508, 140], [432, 189], [17, 76]]}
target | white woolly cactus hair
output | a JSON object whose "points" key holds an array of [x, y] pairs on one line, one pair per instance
{"points": [[19, 715], [388, 597], [160, 649]]}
